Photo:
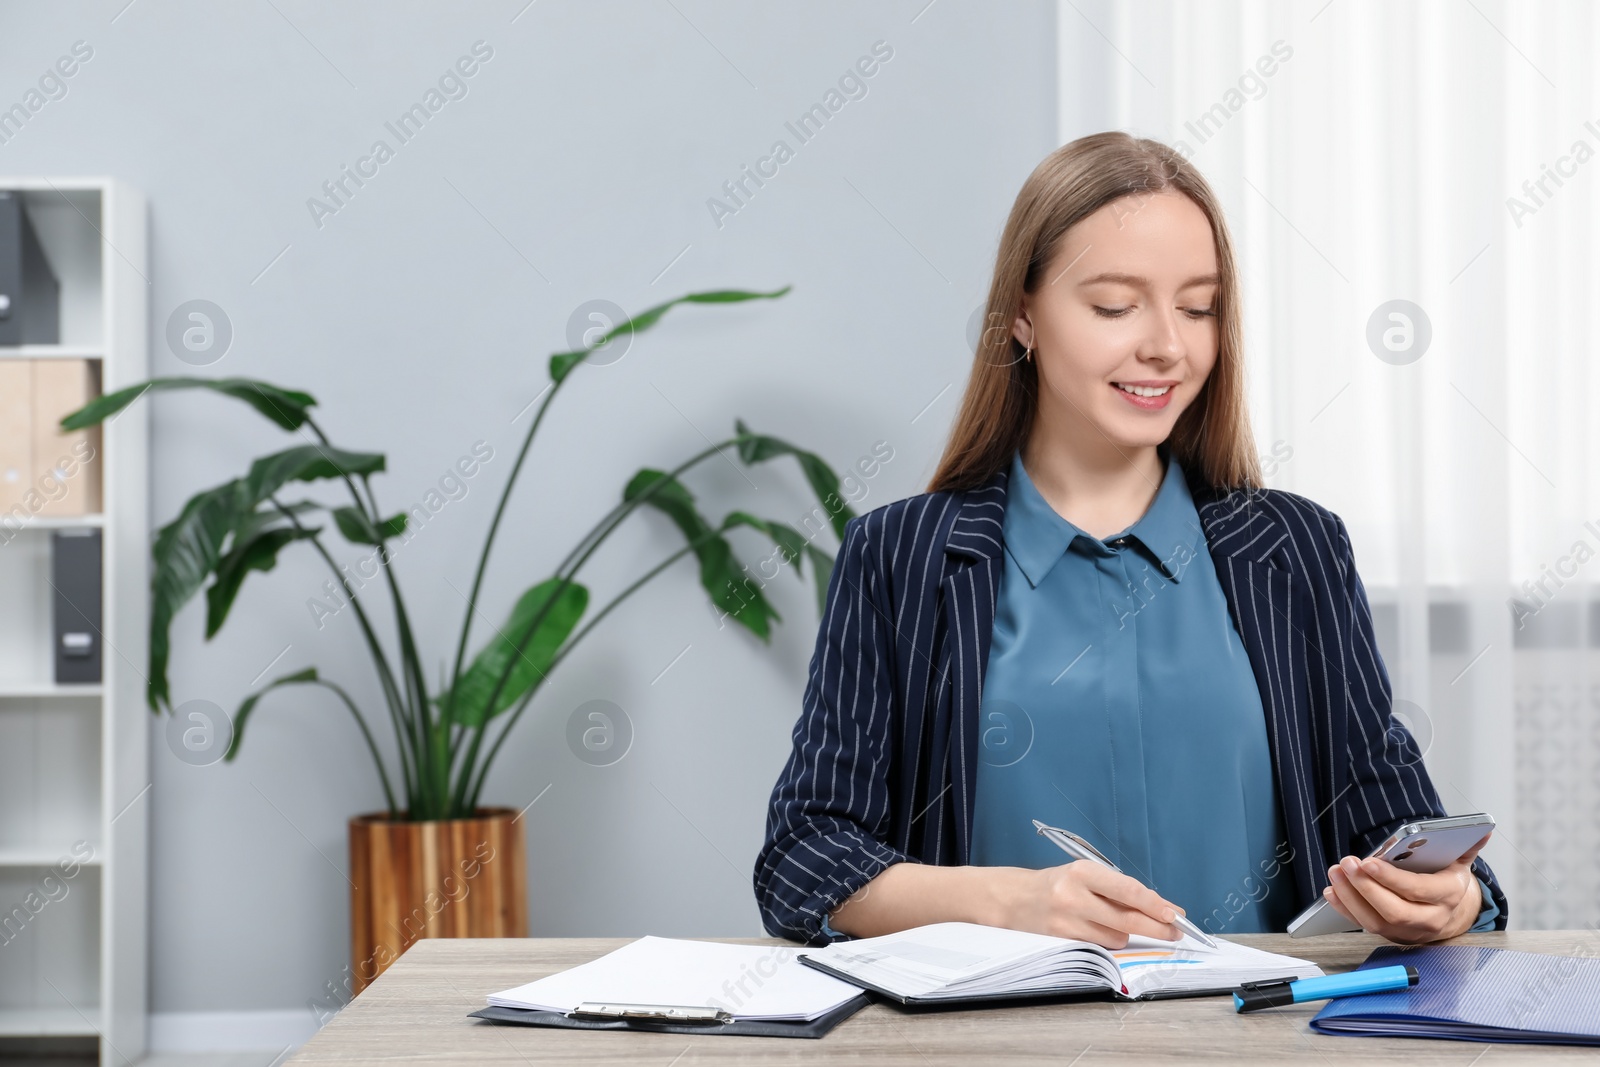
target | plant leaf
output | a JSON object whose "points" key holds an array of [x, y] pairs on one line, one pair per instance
{"points": [[305, 463], [187, 549], [720, 572], [788, 540], [528, 668], [241, 716], [255, 551], [561, 363], [286, 407], [249, 525], [357, 528], [795, 549], [758, 448]]}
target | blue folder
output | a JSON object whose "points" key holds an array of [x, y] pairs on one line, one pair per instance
{"points": [[1469, 993]]}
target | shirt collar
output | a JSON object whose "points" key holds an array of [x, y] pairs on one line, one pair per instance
{"points": [[1036, 536]]}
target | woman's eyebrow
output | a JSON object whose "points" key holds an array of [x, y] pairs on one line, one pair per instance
{"points": [[1144, 283]]}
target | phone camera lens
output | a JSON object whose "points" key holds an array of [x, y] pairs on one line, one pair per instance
{"points": [[1401, 856], [1418, 843]]}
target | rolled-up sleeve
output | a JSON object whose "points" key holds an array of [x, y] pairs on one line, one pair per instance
{"points": [[830, 808]]}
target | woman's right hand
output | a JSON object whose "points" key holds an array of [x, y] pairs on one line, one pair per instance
{"points": [[1081, 900], [1088, 902]]}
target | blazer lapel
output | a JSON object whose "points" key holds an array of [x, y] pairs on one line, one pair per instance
{"points": [[1269, 605], [970, 589]]}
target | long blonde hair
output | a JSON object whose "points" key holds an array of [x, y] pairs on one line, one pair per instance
{"points": [[1211, 439]]}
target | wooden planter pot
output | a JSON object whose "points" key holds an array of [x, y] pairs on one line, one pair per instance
{"points": [[448, 878]]}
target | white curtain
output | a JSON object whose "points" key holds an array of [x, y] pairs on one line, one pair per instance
{"points": [[1444, 154]]}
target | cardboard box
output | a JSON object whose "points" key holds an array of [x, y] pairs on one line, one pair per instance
{"points": [[66, 466], [16, 434]]}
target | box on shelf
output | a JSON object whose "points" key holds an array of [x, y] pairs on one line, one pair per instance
{"points": [[44, 471], [30, 295], [16, 431], [65, 465]]}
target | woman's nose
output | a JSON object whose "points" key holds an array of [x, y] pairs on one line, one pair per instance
{"points": [[1165, 339]]}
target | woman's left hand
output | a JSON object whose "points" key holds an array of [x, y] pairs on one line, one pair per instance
{"points": [[1404, 906]]}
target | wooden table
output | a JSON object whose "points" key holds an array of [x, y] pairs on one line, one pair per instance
{"points": [[416, 1013]]}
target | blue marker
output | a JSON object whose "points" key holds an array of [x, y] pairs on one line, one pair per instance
{"points": [[1253, 996]]}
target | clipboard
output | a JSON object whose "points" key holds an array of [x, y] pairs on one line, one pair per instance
{"points": [[672, 1019]]}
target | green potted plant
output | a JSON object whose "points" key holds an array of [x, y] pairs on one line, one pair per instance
{"points": [[436, 862]]}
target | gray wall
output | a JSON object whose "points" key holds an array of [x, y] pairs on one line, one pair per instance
{"points": [[578, 166]]}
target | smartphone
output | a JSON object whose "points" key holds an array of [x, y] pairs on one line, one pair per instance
{"points": [[1424, 846]]}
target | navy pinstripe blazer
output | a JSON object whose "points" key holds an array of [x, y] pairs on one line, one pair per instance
{"points": [[884, 763]]}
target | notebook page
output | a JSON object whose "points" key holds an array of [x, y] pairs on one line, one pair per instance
{"points": [[1151, 966], [965, 959]]}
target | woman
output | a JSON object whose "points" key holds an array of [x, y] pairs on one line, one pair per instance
{"points": [[1097, 617]]}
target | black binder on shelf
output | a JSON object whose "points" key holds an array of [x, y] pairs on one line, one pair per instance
{"points": [[75, 574], [30, 295]]}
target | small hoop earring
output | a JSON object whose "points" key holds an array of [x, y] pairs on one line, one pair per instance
{"points": [[1027, 356]]}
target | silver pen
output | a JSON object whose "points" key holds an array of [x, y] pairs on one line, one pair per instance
{"points": [[1079, 849]]}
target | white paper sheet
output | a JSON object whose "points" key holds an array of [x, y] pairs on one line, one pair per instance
{"points": [[748, 981]]}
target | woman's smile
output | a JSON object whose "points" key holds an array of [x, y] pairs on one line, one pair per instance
{"points": [[1146, 395]]}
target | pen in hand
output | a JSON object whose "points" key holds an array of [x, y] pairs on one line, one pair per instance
{"points": [[1079, 849]]}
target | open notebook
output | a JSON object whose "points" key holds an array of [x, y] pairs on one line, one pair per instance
{"points": [[949, 962]]}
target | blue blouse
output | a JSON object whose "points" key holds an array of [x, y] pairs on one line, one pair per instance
{"points": [[1119, 703]]}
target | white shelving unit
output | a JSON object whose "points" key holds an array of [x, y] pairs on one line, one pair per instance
{"points": [[74, 761]]}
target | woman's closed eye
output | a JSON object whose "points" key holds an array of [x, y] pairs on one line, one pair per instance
{"points": [[1117, 313]]}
